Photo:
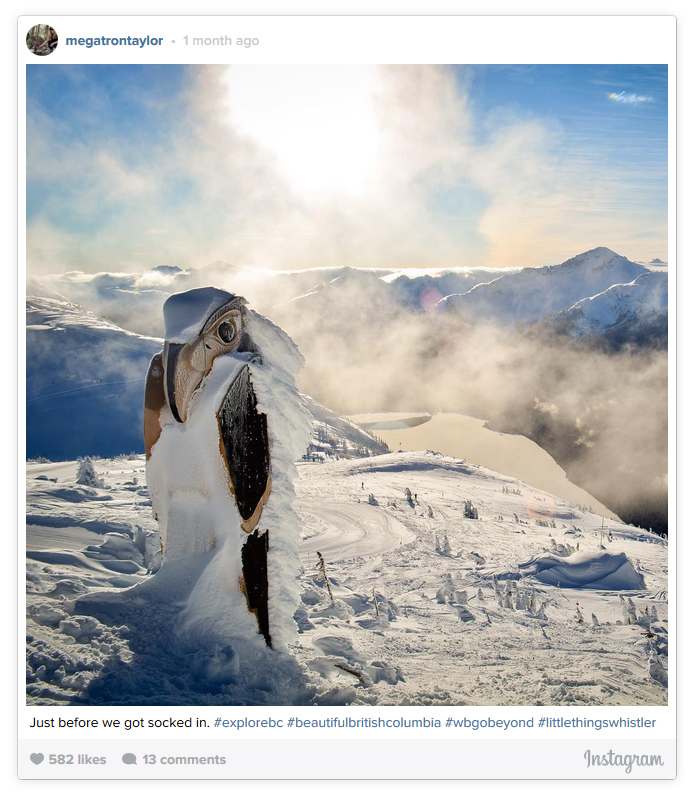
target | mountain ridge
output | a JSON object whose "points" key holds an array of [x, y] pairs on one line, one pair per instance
{"points": [[534, 293]]}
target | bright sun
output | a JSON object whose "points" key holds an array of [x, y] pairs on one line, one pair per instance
{"points": [[317, 121]]}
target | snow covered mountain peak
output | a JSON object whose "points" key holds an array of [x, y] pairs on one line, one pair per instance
{"points": [[596, 259], [536, 292]]}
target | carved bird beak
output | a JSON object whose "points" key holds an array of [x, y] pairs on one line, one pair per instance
{"points": [[185, 365]]}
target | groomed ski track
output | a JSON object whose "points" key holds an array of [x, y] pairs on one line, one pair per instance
{"points": [[351, 530]]}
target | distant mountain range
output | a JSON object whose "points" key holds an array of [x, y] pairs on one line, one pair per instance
{"points": [[590, 294]]}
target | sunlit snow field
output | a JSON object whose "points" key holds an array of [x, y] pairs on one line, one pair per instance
{"points": [[425, 606]]}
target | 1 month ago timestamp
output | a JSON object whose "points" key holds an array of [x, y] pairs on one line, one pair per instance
{"points": [[220, 41]]}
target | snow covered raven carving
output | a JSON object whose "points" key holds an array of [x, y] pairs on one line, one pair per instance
{"points": [[210, 462]]}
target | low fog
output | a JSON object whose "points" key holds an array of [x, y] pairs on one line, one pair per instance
{"points": [[599, 410], [601, 414]]}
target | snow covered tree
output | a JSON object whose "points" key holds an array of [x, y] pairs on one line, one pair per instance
{"points": [[629, 610], [86, 475], [470, 511], [447, 592]]}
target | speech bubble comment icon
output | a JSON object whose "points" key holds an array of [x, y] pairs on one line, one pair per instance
{"points": [[129, 758]]}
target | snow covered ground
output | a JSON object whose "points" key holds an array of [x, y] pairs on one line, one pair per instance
{"points": [[534, 602]]}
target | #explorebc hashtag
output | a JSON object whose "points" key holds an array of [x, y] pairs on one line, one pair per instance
{"points": [[218, 722]]}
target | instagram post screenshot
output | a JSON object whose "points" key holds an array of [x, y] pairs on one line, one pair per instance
{"points": [[346, 397]]}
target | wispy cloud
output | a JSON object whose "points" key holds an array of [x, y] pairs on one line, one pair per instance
{"points": [[628, 98]]}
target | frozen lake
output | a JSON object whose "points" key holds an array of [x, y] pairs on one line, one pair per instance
{"points": [[465, 437]]}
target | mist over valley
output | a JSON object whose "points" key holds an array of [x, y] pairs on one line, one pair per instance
{"points": [[572, 356]]}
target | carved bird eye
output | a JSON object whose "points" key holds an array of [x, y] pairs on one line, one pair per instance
{"points": [[226, 332]]}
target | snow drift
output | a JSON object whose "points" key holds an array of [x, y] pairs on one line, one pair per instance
{"points": [[596, 570]]}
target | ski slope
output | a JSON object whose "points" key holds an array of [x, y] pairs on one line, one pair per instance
{"points": [[350, 530]]}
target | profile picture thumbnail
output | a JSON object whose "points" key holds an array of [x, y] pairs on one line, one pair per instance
{"points": [[42, 39]]}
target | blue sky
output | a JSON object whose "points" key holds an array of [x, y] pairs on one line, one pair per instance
{"points": [[134, 166], [88, 107], [610, 116]]}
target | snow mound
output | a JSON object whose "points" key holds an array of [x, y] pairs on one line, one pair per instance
{"points": [[596, 570], [340, 656]]}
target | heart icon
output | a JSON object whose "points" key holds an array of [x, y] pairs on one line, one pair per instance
{"points": [[36, 758]]}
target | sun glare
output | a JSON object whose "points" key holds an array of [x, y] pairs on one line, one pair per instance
{"points": [[318, 122]]}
